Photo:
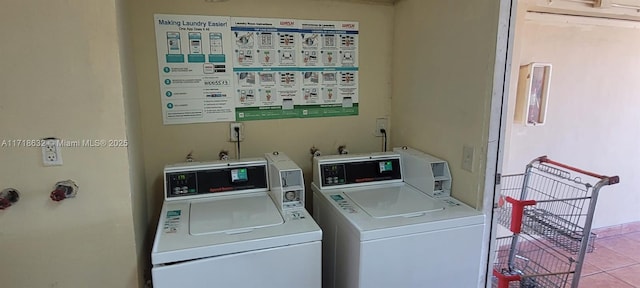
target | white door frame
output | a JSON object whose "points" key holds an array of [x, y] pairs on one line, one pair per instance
{"points": [[497, 128]]}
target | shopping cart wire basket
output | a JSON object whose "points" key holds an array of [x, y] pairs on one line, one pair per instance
{"points": [[549, 210]]}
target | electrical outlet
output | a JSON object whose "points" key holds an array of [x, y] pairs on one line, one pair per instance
{"points": [[233, 136], [51, 155], [381, 123], [467, 158]]}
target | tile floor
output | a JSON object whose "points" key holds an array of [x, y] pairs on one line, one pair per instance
{"points": [[615, 262]]}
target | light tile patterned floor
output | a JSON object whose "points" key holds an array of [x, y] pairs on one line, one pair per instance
{"points": [[614, 263]]}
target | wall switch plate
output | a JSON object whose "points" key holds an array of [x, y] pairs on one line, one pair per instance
{"points": [[236, 136], [467, 158], [51, 154], [381, 123]]}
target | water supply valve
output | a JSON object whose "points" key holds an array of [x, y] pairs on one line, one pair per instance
{"points": [[63, 190], [223, 155], [8, 197], [315, 152], [342, 150], [189, 157]]}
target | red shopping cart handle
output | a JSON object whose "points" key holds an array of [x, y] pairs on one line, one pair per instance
{"points": [[516, 212], [504, 280], [610, 179]]}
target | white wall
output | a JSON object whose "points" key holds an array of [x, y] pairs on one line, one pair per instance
{"points": [[134, 135], [61, 77], [171, 143], [444, 56], [592, 122]]}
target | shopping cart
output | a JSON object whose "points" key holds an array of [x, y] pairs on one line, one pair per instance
{"points": [[549, 210]]}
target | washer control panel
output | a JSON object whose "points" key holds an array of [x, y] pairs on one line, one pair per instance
{"points": [[360, 171], [216, 178]]}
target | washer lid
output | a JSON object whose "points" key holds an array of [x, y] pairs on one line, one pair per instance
{"points": [[393, 201], [233, 215]]}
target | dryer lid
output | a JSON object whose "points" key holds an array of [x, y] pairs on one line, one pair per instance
{"points": [[233, 215], [400, 201]]}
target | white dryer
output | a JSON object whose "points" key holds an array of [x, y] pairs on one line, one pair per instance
{"points": [[379, 231], [219, 227]]}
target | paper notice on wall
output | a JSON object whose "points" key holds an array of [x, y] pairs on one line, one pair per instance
{"points": [[195, 68], [329, 64], [266, 67], [215, 68]]}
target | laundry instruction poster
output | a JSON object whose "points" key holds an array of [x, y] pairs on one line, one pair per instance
{"points": [[220, 69], [196, 73], [328, 68], [266, 68]]}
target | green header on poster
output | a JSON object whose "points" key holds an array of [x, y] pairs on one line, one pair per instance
{"points": [[298, 111]]}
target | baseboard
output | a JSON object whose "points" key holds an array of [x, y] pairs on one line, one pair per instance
{"points": [[616, 230]]}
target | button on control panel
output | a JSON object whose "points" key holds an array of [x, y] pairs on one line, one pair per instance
{"points": [[181, 184], [333, 174]]}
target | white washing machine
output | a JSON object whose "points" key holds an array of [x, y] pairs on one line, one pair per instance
{"points": [[379, 231], [219, 227]]}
